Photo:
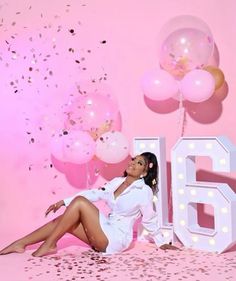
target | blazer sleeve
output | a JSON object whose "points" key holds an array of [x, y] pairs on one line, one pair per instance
{"points": [[93, 194], [150, 219]]}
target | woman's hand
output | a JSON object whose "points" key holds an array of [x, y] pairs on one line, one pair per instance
{"points": [[54, 207]]}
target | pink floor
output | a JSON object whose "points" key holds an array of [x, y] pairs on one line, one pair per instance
{"points": [[141, 262]]}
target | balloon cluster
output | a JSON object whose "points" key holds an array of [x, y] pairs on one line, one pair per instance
{"points": [[91, 128], [184, 52]]}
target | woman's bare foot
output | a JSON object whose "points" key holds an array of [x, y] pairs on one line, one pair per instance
{"points": [[15, 247], [45, 250]]}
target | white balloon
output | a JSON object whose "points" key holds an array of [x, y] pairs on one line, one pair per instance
{"points": [[112, 147]]}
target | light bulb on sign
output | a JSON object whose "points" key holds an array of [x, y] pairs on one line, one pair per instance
{"points": [[225, 229], [166, 233], [195, 238], [212, 241], [209, 145], [222, 161], [142, 145], [191, 145], [181, 206], [224, 210], [180, 159], [181, 191], [210, 193], [193, 192], [152, 145]]}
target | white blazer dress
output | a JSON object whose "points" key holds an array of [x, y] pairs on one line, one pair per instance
{"points": [[134, 202]]}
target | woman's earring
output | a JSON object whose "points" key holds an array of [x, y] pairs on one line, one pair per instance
{"points": [[141, 176]]}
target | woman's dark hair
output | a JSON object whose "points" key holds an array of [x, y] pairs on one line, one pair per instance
{"points": [[151, 178]]}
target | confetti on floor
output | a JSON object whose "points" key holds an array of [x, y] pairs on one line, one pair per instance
{"points": [[141, 262]]}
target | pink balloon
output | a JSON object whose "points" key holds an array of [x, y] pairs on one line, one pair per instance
{"points": [[91, 111], [197, 85], [184, 50], [158, 84], [112, 147], [78, 147]]}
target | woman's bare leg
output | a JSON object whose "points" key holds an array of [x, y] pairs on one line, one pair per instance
{"points": [[42, 234], [80, 211], [14, 247], [39, 235], [36, 236]]}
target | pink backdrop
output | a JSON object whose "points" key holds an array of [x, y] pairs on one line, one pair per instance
{"points": [[39, 73]]}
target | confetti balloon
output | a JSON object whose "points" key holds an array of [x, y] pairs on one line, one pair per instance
{"points": [[184, 50], [91, 112], [185, 43]]}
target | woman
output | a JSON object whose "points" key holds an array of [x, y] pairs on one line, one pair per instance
{"points": [[129, 197]]}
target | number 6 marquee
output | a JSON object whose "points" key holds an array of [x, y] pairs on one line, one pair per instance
{"points": [[187, 192]]}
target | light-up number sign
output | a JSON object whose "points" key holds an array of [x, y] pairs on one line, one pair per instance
{"points": [[157, 146], [187, 192]]}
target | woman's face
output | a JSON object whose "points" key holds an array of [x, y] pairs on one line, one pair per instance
{"points": [[137, 167]]}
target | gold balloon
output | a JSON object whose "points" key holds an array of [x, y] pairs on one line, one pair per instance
{"points": [[217, 74]]}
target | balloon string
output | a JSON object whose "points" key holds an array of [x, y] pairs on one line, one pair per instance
{"points": [[170, 205], [182, 115]]}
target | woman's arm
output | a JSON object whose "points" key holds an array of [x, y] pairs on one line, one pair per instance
{"points": [[150, 219], [93, 194]]}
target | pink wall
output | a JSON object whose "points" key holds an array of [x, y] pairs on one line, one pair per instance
{"points": [[37, 35]]}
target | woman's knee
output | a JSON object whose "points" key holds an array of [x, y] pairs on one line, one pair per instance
{"points": [[99, 243], [79, 201]]}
